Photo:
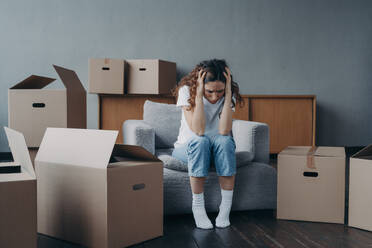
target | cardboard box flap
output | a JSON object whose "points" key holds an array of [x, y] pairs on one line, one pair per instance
{"points": [[17, 144], [328, 151], [134, 152], [33, 82], [69, 78], [78, 147], [296, 150], [367, 151], [11, 177], [321, 151]]}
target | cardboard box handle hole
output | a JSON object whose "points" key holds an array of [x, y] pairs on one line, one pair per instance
{"points": [[139, 186], [105, 68], [310, 174], [142, 69], [38, 105]]}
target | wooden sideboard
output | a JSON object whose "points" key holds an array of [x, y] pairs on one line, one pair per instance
{"points": [[291, 118]]}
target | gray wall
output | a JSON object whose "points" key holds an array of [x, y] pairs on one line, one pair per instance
{"points": [[321, 47]]}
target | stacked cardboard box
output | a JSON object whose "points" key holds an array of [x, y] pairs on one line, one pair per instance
{"points": [[136, 76], [18, 197], [96, 193], [106, 76]]}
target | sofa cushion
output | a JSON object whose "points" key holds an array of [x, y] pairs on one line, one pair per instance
{"points": [[165, 119], [242, 158]]}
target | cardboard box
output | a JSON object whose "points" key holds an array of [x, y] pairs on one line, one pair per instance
{"points": [[18, 198], [311, 184], [106, 76], [150, 76], [360, 189], [86, 197], [32, 109]]}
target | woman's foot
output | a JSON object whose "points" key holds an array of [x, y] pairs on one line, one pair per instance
{"points": [[200, 215], [222, 219]]}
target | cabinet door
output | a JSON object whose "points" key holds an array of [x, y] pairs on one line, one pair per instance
{"points": [[290, 120], [241, 110]]}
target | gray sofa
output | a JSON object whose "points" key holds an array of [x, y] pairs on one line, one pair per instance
{"points": [[255, 185]]}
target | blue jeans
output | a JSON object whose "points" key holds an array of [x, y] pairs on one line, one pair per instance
{"points": [[200, 151]]}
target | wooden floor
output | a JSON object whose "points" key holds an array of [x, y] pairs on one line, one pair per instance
{"points": [[248, 229]]}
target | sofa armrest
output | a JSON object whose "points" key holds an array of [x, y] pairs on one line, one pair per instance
{"points": [[138, 132], [253, 137]]}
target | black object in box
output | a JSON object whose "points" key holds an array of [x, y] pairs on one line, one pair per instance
{"points": [[7, 164]]}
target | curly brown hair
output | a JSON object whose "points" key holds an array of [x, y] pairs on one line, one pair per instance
{"points": [[214, 69]]}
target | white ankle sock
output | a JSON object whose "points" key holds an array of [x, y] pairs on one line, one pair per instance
{"points": [[198, 210], [222, 219]]}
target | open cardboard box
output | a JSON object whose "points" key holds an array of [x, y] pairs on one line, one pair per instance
{"points": [[311, 184], [96, 193], [18, 198], [31, 109]]}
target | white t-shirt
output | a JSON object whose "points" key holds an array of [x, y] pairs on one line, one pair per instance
{"points": [[212, 116]]}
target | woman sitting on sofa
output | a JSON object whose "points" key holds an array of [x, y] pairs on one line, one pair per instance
{"points": [[207, 96]]}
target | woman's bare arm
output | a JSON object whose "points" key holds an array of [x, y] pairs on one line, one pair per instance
{"points": [[195, 118], [225, 124]]}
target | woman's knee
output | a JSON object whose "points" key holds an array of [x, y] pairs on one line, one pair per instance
{"points": [[224, 141], [200, 143]]}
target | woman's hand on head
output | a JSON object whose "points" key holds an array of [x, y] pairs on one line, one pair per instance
{"points": [[200, 83], [227, 74]]}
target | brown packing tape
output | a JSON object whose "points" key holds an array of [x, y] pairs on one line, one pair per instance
{"points": [[107, 61], [310, 161]]}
